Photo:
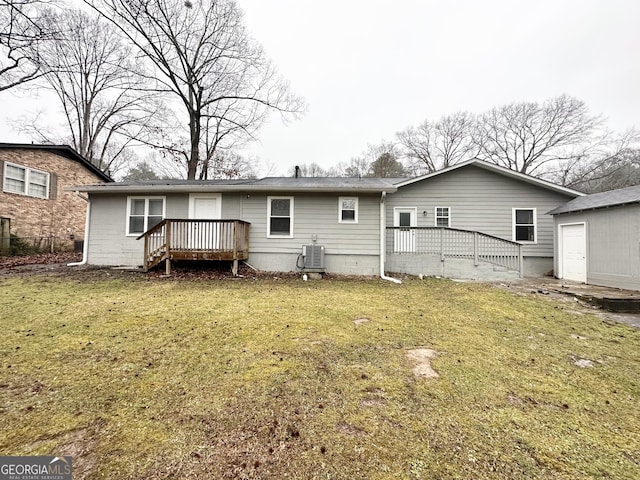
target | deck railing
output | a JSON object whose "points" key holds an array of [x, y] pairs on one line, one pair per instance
{"points": [[182, 239], [455, 243]]}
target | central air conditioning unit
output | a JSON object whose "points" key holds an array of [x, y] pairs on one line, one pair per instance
{"points": [[313, 257]]}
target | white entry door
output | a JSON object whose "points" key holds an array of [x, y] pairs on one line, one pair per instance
{"points": [[573, 252], [204, 236], [404, 238]]}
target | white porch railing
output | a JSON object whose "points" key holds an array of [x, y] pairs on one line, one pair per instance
{"points": [[455, 243]]}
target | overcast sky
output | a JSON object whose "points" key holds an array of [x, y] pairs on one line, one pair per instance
{"points": [[371, 68], [368, 69]]}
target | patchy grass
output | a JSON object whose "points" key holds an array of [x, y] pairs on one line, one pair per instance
{"points": [[273, 379]]}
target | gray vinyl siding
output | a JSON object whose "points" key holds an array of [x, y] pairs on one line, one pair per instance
{"points": [[613, 244], [313, 215], [483, 201], [108, 241]]}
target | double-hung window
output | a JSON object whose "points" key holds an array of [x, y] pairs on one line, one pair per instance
{"points": [[280, 216], [144, 213], [348, 210], [525, 225], [26, 181], [443, 217]]}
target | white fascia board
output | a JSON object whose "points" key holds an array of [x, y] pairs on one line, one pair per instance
{"points": [[158, 189]]}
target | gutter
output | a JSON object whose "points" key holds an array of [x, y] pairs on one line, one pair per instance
{"points": [[193, 188], [85, 246], [383, 224]]}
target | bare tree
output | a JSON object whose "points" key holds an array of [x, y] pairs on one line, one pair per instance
{"points": [[355, 167], [615, 164], [218, 77], [90, 69], [230, 165], [23, 28], [527, 137], [433, 146]]}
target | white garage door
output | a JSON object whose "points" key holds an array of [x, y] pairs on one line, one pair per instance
{"points": [[573, 252]]}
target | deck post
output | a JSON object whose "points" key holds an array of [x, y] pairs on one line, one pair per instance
{"points": [[475, 248], [167, 246], [441, 244], [234, 269], [146, 254], [520, 261]]}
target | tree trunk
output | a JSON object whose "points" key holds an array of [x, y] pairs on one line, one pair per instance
{"points": [[194, 158]]}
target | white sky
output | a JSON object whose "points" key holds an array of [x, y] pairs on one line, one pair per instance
{"points": [[368, 69]]}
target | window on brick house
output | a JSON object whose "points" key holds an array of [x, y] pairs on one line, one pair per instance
{"points": [[25, 181]]}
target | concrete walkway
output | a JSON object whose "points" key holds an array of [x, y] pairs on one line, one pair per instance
{"points": [[612, 303]]}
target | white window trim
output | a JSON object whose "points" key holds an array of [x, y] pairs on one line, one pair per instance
{"points": [[535, 225], [146, 212], [340, 210], [435, 217], [27, 174], [291, 215], [413, 211]]}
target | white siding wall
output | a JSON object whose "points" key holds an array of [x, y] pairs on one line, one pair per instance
{"points": [[613, 245], [481, 200]]}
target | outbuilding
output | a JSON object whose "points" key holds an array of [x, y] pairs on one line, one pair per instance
{"points": [[597, 239]]}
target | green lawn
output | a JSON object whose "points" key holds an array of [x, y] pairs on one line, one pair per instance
{"points": [[272, 379]]}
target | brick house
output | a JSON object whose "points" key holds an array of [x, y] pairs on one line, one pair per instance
{"points": [[33, 202]]}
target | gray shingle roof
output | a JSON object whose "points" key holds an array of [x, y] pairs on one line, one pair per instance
{"points": [[63, 150], [600, 200], [269, 184]]}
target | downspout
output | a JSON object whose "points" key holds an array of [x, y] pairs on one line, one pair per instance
{"points": [[85, 246], [383, 225]]}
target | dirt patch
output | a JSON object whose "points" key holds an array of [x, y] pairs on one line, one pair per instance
{"points": [[40, 259], [421, 357], [360, 321], [372, 402], [81, 446], [350, 430], [516, 400], [583, 363]]}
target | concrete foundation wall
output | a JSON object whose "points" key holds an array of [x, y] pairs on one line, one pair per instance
{"points": [[432, 265], [537, 266], [339, 264]]}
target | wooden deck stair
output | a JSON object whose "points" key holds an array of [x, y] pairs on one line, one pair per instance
{"points": [[182, 239]]}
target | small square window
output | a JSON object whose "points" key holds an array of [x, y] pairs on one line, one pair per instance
{"points": [[443, 217], [404, 219], [348, 210]]}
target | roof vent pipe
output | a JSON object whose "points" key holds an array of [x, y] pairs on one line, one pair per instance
{"points": [[297, 171]]}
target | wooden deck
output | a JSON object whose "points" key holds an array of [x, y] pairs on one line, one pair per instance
{"points": [[182, 239]]}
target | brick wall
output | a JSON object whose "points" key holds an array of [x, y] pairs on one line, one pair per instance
{"points": [[61, 216]]}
